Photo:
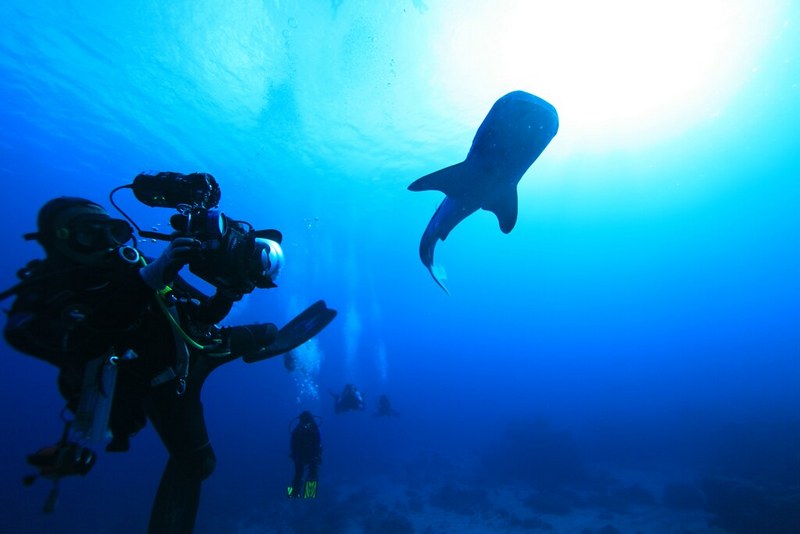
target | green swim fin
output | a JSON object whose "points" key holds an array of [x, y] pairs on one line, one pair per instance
{"points": [[306, 325], [311, 490]]}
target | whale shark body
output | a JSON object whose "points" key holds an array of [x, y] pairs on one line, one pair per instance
{"points": [[514, 133]]}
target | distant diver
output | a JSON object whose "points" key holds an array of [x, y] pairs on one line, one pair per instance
{"points": [[306, 447], [349, 400], [385, 408], [514, 133]]}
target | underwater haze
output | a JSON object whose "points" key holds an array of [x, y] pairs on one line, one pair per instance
{"points": [[627, 359]]}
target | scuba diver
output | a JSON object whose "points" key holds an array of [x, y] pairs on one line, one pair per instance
{"points": [[306, 447], [350, 399], [134, 341], [385, 408]]}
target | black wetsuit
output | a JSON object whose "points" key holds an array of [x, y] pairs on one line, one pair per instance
{"points": [[385, 408], [350, 399], [306, 446], [68, 316]]}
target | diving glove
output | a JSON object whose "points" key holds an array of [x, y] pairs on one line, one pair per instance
{"points": [[162, 271]]}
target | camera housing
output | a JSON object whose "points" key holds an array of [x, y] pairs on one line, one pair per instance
{"points": [[233, 255]]}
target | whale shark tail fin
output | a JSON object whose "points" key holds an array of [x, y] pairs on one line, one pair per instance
{"points": [[439, 275], [449, 181]]}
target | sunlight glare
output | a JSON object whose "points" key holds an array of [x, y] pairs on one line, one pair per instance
{"points": [[619, 72]]}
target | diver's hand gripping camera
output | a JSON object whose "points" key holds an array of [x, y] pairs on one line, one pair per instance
{"points": [[233, 256]]}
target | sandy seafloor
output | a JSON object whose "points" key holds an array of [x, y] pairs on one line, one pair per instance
{"points": [[630, 504]]}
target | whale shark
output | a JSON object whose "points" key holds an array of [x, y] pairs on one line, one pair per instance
{"points": [[514, 133]]}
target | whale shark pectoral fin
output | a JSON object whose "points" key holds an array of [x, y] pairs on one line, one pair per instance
{"points": [[450, 181], [505, 207]]}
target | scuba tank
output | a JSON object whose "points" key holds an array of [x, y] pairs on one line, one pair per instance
{"points": [[97, 394], [90, 426]]}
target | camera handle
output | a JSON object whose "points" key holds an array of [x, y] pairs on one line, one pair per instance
{"points": [[147, 234]]}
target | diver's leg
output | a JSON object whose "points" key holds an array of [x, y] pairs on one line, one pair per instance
{"points": [[242, 340], [175, 506], [297, 483], [312, 470], [180, 424], [202, 365]]}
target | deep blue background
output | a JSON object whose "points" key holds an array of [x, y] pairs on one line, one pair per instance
{"points": [[647, 302]]}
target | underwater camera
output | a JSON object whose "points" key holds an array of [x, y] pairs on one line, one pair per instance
{"points": [[234, 256]]}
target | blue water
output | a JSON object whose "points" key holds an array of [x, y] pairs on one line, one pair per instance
{"points": [[642, 317]]}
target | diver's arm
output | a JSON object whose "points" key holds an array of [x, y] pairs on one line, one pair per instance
{"points": [[207, 309], [218, 306]]}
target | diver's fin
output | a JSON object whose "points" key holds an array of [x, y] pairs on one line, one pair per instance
{"points": [[310, 489], [306, 325]]}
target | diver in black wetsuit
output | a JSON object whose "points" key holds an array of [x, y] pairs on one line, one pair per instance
{"points": [[92, 297], [385, 408], [349, 399], [306, 447]]}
